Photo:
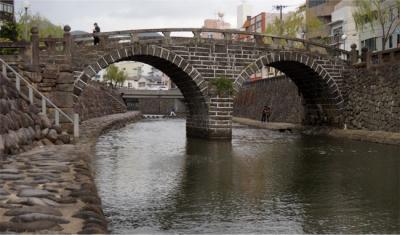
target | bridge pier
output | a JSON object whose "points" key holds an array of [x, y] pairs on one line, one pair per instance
{"points": [[216, 123]]}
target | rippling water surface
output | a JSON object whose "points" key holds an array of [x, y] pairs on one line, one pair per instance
{"points": [[152, 179]]}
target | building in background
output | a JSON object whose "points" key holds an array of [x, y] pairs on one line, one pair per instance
{"points": [[321, 9], [372, 38], [243, 10], [343, 28], [215, 24], [6, 11], [257, 24]]}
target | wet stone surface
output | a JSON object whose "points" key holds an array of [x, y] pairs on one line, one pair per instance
{"points": [[50, 189]]}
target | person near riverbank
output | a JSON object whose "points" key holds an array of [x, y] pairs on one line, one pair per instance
{"points": [[264, 114], [96, 30], [172, 113], [269, 112]]}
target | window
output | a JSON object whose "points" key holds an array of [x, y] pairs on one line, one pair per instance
{"points": [[314, 3], [129, 85], [391, 41], [6, 8], [142, 84], [398, 40], [370, 44]]}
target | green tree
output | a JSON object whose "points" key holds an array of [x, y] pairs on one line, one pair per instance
{"points": [[223, 86], [46, 28], [9, 32], [377, 14], [294, 24], [115, 76]]}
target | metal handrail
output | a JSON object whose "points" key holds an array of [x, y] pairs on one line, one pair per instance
{"points": [[197, 31], [45, 101]]}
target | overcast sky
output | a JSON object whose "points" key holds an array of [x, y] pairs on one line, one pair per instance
{"points": [[114, 15]]}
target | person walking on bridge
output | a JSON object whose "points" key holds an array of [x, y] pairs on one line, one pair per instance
{"points": [[96, 38]]}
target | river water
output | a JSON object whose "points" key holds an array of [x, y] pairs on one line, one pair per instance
{"points": [[152, 179]]}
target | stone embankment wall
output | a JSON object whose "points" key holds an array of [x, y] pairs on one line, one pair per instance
{"points": [[156, 105], [21, 124], [57, 83], [99, 100], [280, 93], [373, 98]]}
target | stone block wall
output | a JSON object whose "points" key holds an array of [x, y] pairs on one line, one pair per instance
{"points": [[98, 100], [21, 124], [373, 98], [280, 93], [161, 106]]}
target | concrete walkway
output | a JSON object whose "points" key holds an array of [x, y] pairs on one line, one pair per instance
{"points": [[361, 135], [275, 126], [51, 189]]}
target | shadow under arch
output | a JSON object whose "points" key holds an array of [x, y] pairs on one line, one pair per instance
{"points": [[318, 80], [189, 81]]}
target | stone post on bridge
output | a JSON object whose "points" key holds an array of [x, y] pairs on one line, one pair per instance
{"points": [[35, 48], [67, 43]]}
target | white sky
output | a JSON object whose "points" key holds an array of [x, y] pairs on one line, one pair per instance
{"points": [[113, 15]]}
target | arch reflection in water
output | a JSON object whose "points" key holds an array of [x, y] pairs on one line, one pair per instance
{"points": [[152, 179]]}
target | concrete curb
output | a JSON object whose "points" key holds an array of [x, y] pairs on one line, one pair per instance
{"points": [[381, 137]]}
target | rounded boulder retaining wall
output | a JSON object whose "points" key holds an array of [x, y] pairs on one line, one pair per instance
{"points": [[52, 189]]}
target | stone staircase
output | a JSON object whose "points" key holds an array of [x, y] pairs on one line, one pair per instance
{"points": [[34, 97]]}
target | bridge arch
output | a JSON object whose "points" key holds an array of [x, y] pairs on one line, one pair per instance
{"points": [[192, 85], [318, 79]]}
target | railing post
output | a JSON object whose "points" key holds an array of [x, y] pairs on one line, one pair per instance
{"points": [[76, 125], [275, 43], [259, 40], [35, 48], [44, 106], [367, 56], [57, 117], [30, 94], [354, 54], [167, 37], [4, 70], [196, 36], [392, 57], [67, 41], [18, 83], [227, 36], [134, 37], [290, 43]]}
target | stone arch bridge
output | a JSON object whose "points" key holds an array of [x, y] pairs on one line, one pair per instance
{"points": [[193, 61]]}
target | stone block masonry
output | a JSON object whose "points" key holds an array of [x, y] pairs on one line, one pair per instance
{"points": [[99, 100], [373, 98], [22, 126], [280, 93]]}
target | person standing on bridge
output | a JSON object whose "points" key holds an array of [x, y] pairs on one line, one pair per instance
{"points": [[96, 38]]}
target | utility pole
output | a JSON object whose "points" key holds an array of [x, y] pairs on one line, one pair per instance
{"points": [[280, 9]]}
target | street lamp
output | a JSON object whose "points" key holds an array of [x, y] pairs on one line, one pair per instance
{"points": [[26, 5], [344, 37]]}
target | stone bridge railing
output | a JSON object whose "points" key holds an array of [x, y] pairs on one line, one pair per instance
{"points": [[32, 52], [200, 34], [37, 49]]}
